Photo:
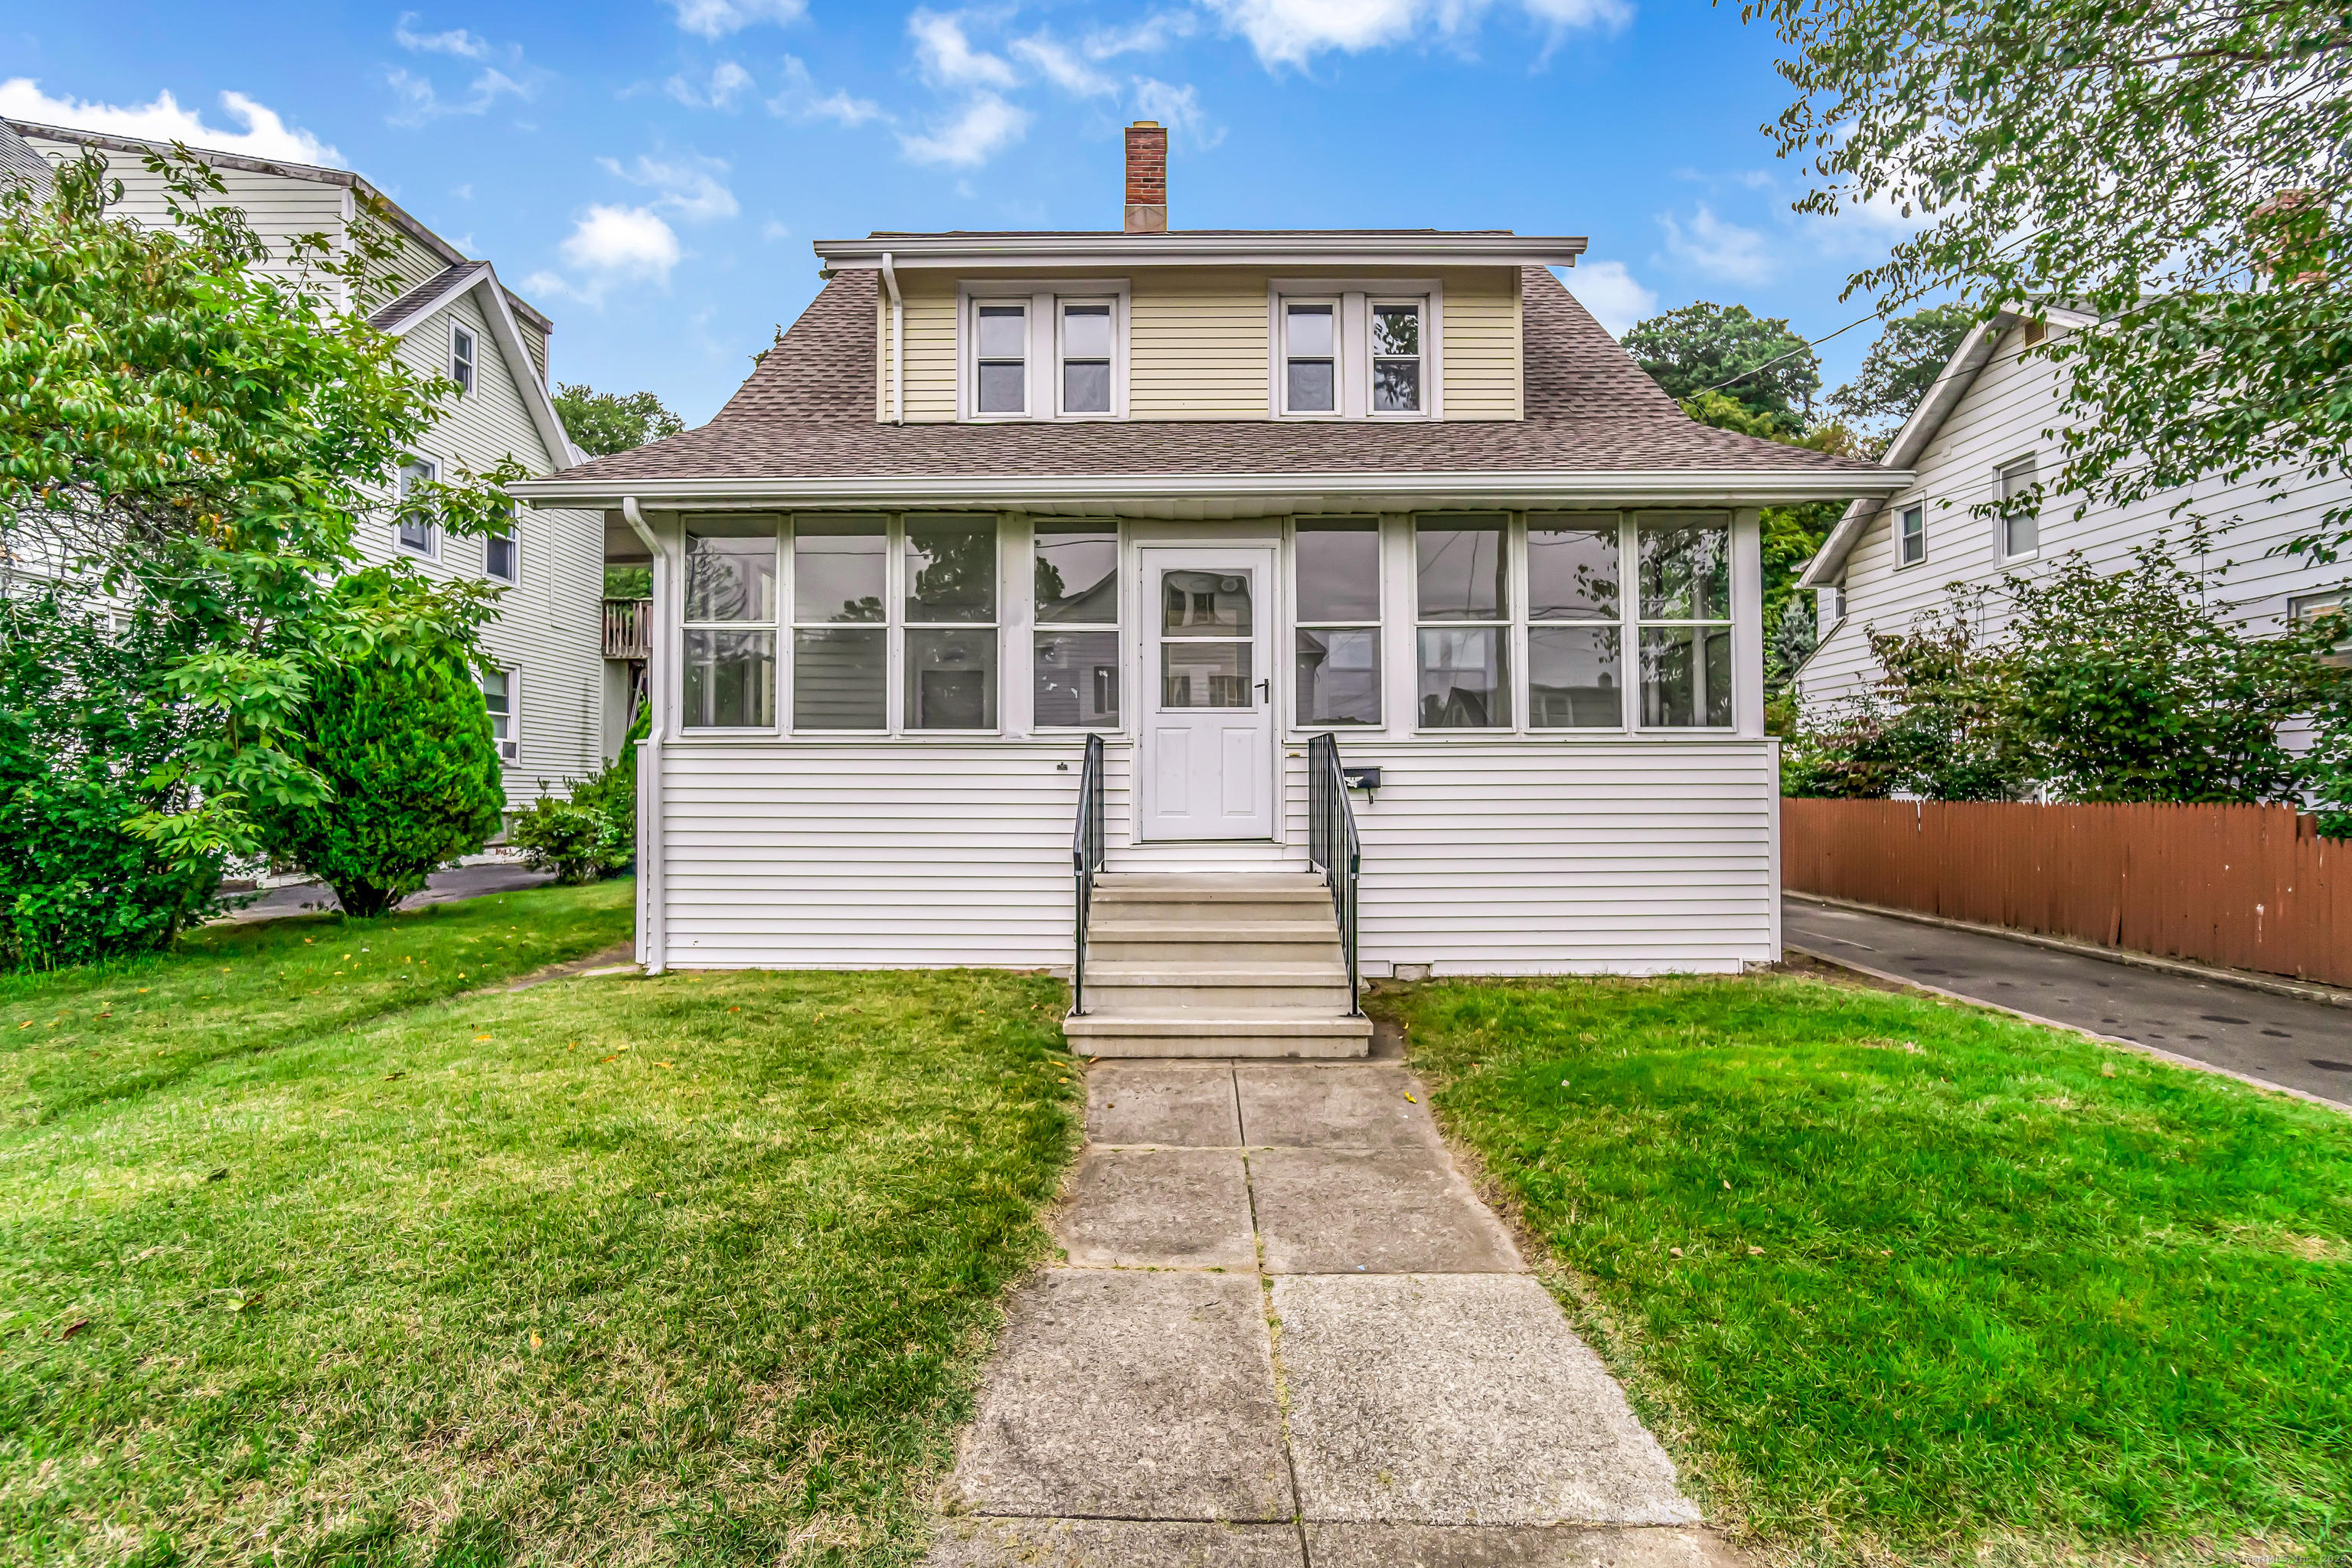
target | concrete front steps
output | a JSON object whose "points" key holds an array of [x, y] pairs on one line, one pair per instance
{"points": [[1215, 964]]}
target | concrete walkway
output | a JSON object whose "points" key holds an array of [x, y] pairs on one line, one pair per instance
{"points": [[1287, 1333], [2299, 1045]]}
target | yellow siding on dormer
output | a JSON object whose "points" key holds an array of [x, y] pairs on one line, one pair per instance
{"points": [[1481, 352], [930, 328], [1197, 345]]}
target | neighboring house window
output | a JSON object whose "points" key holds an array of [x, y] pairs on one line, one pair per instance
{"points": [[1576, 677], [1085, 353], [501, 691], [1396, 357], [2311, 606], [461, 359], [730, 616], [1463, 610], [950, 629], [1336, 564], [2020, 528], [1076, 639], [1000, 358], [502, 553], [1912, 527], [415, 530], [1310, 362], [1686, 620]]}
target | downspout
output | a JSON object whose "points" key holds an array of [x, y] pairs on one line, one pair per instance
{"points": [[651, 928], [898, 344]]}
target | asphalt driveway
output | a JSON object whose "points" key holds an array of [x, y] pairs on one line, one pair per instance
{"points": [[441, 888], [2279, 1039]]}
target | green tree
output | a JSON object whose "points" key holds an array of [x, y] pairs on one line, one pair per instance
{"points": [[405, 744], [1791, 534], [1900, 367], [1758, 362], [603, 423]]}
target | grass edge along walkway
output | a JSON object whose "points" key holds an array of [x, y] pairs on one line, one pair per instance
{"points": [[1903, 1279]]}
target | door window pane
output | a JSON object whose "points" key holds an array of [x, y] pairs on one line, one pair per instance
{"points": [[840, 679], [1461, 678], [1685, 570], [1686, 677], [838, 568], [730, 571], [951, 569], [1572, 570], [1338, 567], [1001, 362], [1460, 569], [1085, 359], [1574, 681], [731, 679], [1204, 605], [1309, 340], [1077, 679], [1077, 575], [951, 679], [1205, 675], [1339, 676]]}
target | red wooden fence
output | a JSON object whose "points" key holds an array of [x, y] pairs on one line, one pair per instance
{"points": [[2247, 887]]}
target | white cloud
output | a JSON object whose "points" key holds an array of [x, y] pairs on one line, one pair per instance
{"points": [[1720, 250], [986, 125], [611, 246], [728, 81], [265, 135], [946, 56], [456, 41], [1610, 293], [421, 102], [1178, 108], [800, 100], [1293, 32], [1063, 67], [1147, 37], [717, 18], [771, 230], [689, 187]]}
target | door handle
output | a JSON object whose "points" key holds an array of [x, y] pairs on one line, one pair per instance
{"points": [[1266, 691]]}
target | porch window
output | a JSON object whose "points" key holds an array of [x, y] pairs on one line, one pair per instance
{"points": [[1576, 678], [1464, 622], [1310, 356], [1000, 361], [729, 592], [1336, 564], [499, 690], [950, 625], [413, 530], [841, 671], [1076, 644], [2020, 527], [1086, 357], [1686, 620]]}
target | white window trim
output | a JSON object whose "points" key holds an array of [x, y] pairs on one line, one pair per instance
{"points": [[777, 625], [1920, 506], [433, 530], [514, 717], [471, 359], [2000, 522], [1305, 522], [1637, 623], [1354, 297], [1043, 298], [1021, 633], [1339, 357]]}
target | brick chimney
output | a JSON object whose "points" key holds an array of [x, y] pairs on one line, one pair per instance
{"points": [[1147, 177]]}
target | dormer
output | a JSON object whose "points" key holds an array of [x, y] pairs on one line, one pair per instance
{"points": [[1351, 326]]}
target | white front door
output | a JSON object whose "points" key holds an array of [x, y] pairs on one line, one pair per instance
{"points": [[1207, 767]]}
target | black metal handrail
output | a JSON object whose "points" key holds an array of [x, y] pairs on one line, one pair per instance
{"points": [[1085, 859], [1333, 846]]}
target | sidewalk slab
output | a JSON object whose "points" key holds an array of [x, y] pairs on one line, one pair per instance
{"points": [[1356, 1107], [1381, 1211], [1166, 1105], [1112, 1543], [1472, 1546], [1158, 1208], [1130, 1395], [1459, 1400]]}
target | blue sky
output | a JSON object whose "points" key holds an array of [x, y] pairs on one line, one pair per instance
{"points": [[652, 172]]}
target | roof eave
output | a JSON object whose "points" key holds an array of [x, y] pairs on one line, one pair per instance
{"points": [[918, 252]]}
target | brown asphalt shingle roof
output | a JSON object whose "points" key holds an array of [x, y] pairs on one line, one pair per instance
{"points": [[808, 412]]}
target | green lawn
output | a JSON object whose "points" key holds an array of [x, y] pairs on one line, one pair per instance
{"points": [[693, 1269], [1902, 1281]]}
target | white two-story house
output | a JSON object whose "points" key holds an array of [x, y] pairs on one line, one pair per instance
{"points": [[1205, 497], [548, 695]]}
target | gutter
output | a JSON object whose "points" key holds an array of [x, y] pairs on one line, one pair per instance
{"points": [[1197, 248], [898, 344], [653, 933]]}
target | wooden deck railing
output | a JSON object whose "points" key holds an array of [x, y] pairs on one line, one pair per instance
{"points": [[627, 623], [2246, 887]]}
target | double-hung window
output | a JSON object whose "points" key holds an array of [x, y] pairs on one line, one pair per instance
{"points": [[1337, 564], [502, 552], [949, 630], [730, 601], [1396, 326], [1911, 529], [1075, 578], [501, 688], [1686, 620], [1085, 356], [461, 359], [1000, 357], [1310, 356], [2020, 527], [1463, 610], [841, 653], [1576, 678], [415, 530]]}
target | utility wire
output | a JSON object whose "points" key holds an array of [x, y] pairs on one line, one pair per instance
{"points": [[1792, 353]]}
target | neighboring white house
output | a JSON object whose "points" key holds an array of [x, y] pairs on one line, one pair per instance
{"points": [[1987, 430], [453, 318], [1207, 495]]}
